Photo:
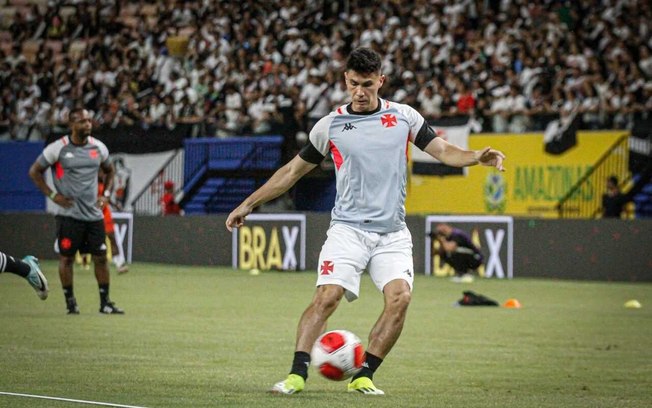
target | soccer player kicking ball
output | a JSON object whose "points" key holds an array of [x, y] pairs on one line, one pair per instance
{"points": [[368, 140]]}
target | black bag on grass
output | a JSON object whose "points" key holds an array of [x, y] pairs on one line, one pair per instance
{"points": [[475, 299]]}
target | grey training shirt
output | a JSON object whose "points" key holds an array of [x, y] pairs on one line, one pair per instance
{"points": [[370, 155], [74, 172]]}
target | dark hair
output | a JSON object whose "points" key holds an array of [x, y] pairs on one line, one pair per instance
{"points": [[363, 60], [613, 180], [75, 112]]}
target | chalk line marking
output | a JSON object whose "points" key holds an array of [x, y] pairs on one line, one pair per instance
{"points": [[105, 404]]}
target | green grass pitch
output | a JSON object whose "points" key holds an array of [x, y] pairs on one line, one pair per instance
{"points": [[215, 337]]}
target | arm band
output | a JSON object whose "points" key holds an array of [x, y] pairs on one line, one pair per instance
{"points": [[52, 195], [424, 136], [310, 154]]}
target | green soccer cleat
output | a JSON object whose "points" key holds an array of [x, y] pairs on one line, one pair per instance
{"points": [[36, 278], [364, 385], [291, 385]]}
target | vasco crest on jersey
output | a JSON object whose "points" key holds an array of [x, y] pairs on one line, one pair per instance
{"points": [[388, 120]]}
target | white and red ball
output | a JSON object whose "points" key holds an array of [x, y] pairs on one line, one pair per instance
{"points": [[337, 355]]}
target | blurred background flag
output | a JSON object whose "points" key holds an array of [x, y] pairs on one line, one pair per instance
{"points": [[454, 130]]}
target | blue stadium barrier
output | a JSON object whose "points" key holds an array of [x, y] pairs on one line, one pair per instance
{"points": [[219, 173], [17, 191]]}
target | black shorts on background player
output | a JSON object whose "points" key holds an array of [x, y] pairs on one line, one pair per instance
{"points": [[87, 237]]}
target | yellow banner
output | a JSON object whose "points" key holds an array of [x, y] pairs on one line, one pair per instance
{"points": [[532, 184]]}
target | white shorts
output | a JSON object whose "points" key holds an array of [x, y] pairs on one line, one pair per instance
{"points": [[348, 251]]}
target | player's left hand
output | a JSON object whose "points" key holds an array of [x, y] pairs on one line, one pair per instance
{"points": [[491, 157]]}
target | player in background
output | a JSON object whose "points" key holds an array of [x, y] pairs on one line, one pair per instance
{"points": [[75, 161], [169, 205], [27, 268], [109, 226], [458, 250], [368, 142]]}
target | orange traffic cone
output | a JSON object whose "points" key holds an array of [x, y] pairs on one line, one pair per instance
{"points": [[512, 304]]}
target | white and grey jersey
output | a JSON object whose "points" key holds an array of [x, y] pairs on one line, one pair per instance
{"points": [[370, 155], [74, 172]]}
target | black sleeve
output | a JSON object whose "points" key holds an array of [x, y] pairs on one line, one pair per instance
{"points": [[310, 154], [425, 136]]}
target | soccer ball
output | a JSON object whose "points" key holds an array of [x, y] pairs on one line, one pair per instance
{"points": [[337, 355]]}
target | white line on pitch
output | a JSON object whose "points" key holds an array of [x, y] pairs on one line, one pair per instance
{"points": [[105, 404]]}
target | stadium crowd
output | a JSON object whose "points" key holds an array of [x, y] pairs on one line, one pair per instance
{"points": [[250, 67]]}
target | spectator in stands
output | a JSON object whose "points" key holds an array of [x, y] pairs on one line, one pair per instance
{"points": [[338, 95], [109, 226], [234, 105], [110, 45], [590, 108], [168, 201], [315, 97], [465, 100], [156, 112], [613, 201], [538, 106], [516, 110], [645, 60], [429, 102]]}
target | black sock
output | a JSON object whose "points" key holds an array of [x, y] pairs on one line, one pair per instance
{"points": [[369, 367], [104, 293], [300, 364], [68, 292], [15, 266]]}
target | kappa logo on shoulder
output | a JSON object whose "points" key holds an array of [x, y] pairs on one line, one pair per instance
{"points": [[348, 126]]}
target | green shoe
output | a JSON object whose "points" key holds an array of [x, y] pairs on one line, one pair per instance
{"points": [[291, 385], [36, 278], [365, 386]]}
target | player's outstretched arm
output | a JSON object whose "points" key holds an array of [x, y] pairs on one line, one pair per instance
{"points": [[453, 155], [282, 180]]}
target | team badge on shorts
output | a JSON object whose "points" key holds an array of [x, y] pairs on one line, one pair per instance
{"points": [[326, 268], [66, 243]]}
